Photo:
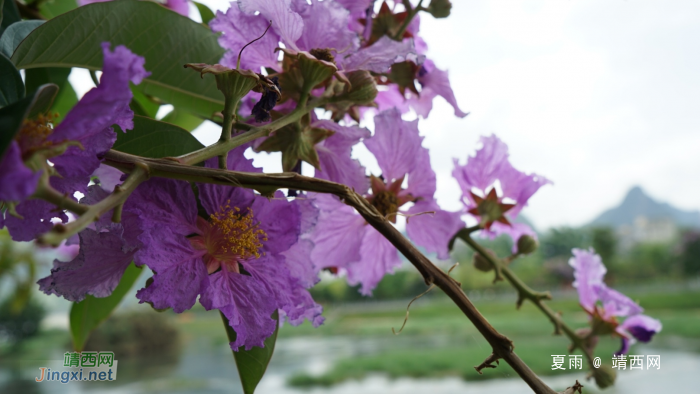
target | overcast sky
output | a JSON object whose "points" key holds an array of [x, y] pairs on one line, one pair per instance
{"points": [[597, 96]]}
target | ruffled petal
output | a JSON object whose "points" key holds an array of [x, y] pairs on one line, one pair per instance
{"points": [[246, 302], [239, 29], [435, 82], [182, 7], [433, 231], [280, 220], [378, 257], [588, 273], [298, 260], [18, 182], [519, 187], [96, 270], [615, 303], [642, 327], [422, 182], [334, 154], [338, 235], [285, 22], [395, 144], [177, 285], [483, 169], [381, 55], [325, 26], [36, 219]]}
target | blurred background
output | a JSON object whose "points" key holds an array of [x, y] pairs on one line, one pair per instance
{"points": [[598, 96]]}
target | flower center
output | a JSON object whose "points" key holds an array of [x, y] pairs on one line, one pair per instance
{"points": [[32, 136], [228, 238], [386, 202]]}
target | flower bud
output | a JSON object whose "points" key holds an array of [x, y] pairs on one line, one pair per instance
{"points": [[527, 244], [481, 263], [440, 8], [604, 376]]}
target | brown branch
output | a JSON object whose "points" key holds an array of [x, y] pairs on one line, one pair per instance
{"points": [[266, 183]]}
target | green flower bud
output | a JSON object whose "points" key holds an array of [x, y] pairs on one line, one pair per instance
{"points": [[604, 376], [440, 8], [527, 244], [481, 263]]}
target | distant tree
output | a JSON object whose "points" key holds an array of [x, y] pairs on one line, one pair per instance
{"points": [[558, 242], [690, 253], [604, 241]]}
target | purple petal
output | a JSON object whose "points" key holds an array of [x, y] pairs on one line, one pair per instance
{"points": [[308, 211], [588, 273], [177, 285], [168, 212], [18, 182], [355, 6], [435, 82], [325, 26], [280, 219], [378, 257], [182, 7], [36, 219], [96, 270], [290, 296], [395, 144], [381, 55], [239, 29], [625, 345], [483, 169], [109, 177], [298, 260], [615, 303], [642, 327], [432, 231], [392, 98], [246, 302], [90, 121], [285, 22], [338, 235], [422, 182], [519, 187], [334, 155]]}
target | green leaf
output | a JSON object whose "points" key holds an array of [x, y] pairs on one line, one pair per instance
{"points": [[9, 15], [11, 85], [142, 105], [87, 314], [53, 8], [205, 12], [14, 34], [183, 119], [152, 138], [252, 363], [73, 40], [65, 101], [12, 116]]}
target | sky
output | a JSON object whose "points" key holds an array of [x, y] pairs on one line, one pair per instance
{"points": [[597, 96]]}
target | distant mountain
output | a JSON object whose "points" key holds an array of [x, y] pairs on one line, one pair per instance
{"points": [[637, 203]]}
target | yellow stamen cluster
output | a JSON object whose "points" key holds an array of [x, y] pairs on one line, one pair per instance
{"points": [[34, 132], [242, 236]]}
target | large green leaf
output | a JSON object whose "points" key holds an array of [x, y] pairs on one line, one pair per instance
{"points": [[183, 119], [252, 363], [73, 40], [11, 85], [14, 34], [12, 116], [152, 138], [87, 314], [142, 105], [53, 8], [9, 14]]}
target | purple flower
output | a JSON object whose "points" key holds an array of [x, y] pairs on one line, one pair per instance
{"points": [[381, 55], [478, 180], [606, 305], [237, 259], [358, 249], [180, 6], [75, 146]]}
